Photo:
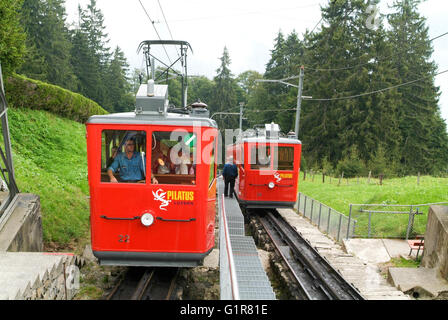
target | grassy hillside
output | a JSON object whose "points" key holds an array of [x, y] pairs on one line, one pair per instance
{"points": [[49, 153], [401, 191], [49, 156]]}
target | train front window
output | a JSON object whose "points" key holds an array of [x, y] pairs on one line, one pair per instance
{"points": [[260, 157], [284, 159], [123, 156], [173, 157]]}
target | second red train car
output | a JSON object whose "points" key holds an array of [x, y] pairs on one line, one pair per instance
{"points": [[268, 168]]}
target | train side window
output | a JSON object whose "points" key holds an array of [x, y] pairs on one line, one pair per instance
{"points": [[260, 157], [173, 157], [285, 158], [123, 156]]}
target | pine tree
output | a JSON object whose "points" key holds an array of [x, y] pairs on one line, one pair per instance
{"points": [[425, 140], [93, 29], [331, 128], [225, 97], [85, 66], [48, 43], [12, 36], [118, 84]]}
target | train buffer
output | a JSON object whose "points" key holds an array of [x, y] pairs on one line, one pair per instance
{"points": [[242, 276]]}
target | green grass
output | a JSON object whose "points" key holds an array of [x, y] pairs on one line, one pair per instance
{"points": [[404, 263], [403, 191], [49, 155]]}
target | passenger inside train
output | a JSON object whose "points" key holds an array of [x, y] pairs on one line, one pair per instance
{"points": [[172, 159], [123, 156], [130, 162]]}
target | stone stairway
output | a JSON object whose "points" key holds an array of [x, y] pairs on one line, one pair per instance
{"points": [[39, 275], [364, 276]]}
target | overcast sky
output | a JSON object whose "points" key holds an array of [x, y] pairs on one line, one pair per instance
{"points": [[247, 28]]}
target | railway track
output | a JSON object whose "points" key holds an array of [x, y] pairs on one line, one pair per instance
{"points": [[146, 284], [316, 278]]}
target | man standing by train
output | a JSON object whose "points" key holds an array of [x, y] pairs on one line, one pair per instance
{"points": [[230, 173]]}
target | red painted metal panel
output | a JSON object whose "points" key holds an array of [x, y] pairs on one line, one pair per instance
{"points": [[194, 203]]}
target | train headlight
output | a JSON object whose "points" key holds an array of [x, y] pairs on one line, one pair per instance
{"points": [[271, 185], [147, 219]]}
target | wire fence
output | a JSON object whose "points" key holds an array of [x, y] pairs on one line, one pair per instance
{"points": [[367, 220], [328, 220], [390, 220]]}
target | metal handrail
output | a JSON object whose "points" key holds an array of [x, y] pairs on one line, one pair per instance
{"points": [[398, 205], [233, 280], [7, 155]]}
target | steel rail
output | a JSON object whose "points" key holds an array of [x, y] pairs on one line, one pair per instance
{"points": [[302, 287], [322, 281], [143, 284], [153, 284]]}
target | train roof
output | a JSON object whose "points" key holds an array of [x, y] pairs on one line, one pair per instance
{"points": [[167, 119], [263, 139]]}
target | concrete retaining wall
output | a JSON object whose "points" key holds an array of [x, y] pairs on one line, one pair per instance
{"points": [[26, 272], [21, 225], [436, 240]]}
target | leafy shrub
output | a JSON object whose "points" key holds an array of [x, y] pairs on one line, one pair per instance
{"points": [[351, 165], [351, 168], [380, 164], [22, 92], [327, 167]]}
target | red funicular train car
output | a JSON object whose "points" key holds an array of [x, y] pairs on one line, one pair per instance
{"points": [[268, 168], [152, 178]]}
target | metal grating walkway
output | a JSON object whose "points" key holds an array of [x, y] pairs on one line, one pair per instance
{"points": [[242, 271]]}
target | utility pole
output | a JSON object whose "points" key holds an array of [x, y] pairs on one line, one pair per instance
{"points": [[299, 94], [299, 101], [241, 117]]}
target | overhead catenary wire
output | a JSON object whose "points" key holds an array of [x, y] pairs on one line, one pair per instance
{"points": [[359, 95], [166, 22], [152, 23], [375, 91], [317, 24]]}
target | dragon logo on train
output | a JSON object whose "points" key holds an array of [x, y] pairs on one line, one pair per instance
{"points": [[160, 195], [277, 177]]}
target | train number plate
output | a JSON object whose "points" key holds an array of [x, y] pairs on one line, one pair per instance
{"points": [[124, 238]]}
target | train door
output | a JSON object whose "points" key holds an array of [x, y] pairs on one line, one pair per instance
{"points": [[121, 192], [173, 189], [259, 170]]}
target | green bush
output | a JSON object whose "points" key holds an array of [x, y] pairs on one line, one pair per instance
{"points": [[351, 165], [351, 168], [303, 162], [22, 92]]}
